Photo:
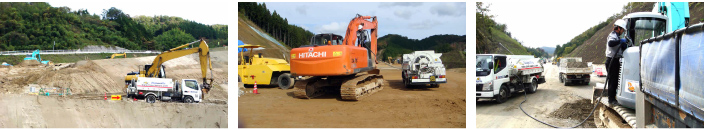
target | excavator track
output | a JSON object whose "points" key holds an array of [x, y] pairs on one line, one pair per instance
{"points": [[306, 89], [361, 87]]}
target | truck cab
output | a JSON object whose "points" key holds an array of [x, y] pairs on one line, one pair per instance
{"points": [[188, 90], [491, 72]]}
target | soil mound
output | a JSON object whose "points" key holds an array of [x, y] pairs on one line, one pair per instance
{"points": [[577, 65], [578, 110]]}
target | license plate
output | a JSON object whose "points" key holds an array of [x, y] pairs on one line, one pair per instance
{"points": [[432, 78], [579, 76]]}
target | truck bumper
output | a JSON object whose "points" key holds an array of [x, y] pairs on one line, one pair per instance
{"points": [[427, 81], [541, 80], [577, 80], [485, 94], [424, 83]]}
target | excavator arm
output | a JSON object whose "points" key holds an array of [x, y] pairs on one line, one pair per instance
{"points": [[203, 54], [355, 32]]}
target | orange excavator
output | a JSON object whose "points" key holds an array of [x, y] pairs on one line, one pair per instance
{"points": [[334, 63]]}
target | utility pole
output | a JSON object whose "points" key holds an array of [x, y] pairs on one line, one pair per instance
{"points": [[52, 47]]}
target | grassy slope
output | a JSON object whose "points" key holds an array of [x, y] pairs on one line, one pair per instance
{"points": [[249, 36], [592, 50], [508, 42]]}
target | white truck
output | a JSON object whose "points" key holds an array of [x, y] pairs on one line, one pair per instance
{"points": [[499, 75], [165, 89], [573, 70], [423, 68]]}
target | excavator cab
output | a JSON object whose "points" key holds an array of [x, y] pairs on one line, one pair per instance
{"points": [[161, 74], [325, 39]]}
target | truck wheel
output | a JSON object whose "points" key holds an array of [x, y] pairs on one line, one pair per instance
{"points": [[532, 87], [151, 99], [503, 94], [561, 80], [188, 99], [285, 81]]}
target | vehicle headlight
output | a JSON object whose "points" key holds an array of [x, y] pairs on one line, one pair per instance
{"points": [[488, 87]]}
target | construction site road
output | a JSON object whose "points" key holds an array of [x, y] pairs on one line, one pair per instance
{"points": [[90, 81], [394, 106], [553, 103]]}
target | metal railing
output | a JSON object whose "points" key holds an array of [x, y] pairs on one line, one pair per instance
{"points": [[79, 51]]}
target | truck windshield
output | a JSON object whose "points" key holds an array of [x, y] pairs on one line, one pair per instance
{"points": [[483, 68], [192, 84], [646, 28]]}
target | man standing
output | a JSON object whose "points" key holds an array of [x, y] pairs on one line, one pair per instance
{"points": [[614, 51]]}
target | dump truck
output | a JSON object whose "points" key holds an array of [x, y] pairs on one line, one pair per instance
{"points": [[499, 75], [573, 70], [423, 68]]}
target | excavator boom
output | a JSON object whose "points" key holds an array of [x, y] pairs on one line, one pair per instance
{"points": [[358, 25]]}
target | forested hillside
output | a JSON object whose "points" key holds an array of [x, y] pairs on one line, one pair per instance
{"points": [[493, 38], [37, 25], [272, 23], [590, 45], [395, 45]]}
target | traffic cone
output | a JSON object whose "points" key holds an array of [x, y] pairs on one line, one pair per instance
{"points": [[255, 88], [106, 96]]}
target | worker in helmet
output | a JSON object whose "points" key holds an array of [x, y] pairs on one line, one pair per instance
{"points": [[614, 50]]}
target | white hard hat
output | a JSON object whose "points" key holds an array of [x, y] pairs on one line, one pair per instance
{"points": [[620, 23]]}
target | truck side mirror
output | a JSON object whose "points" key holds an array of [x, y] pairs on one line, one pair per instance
{"points": [[491, 65]]}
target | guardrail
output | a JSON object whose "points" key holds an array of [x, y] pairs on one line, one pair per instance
{"points": [[80, 51]]}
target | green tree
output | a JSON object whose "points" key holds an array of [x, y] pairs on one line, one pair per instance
{"points": [[172, 38]]}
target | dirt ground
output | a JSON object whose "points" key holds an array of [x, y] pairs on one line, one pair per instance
{"points": [[553, 103], [394, 106], [90, 80]]}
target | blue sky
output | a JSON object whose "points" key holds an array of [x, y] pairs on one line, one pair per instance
{"points": [[414, 20]]}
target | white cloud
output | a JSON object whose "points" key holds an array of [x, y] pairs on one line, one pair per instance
{"points": [[334, 27], [406, 14], [449, 9], [391, 4], [426, 24]]}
